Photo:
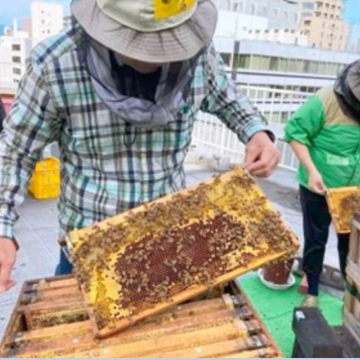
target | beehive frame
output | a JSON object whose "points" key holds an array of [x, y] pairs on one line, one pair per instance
{"points": [[341, 214], [224, 326], [226, 222]]}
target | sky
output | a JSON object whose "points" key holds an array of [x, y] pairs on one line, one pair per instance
{"points": [[352, 13]]}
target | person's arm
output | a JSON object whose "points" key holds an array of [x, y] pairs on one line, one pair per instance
{"points": [[316, 182], [303, 126], [235, 110], [31, 125]]}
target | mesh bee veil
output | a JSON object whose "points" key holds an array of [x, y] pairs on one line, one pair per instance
{"points": [[171, 92]]}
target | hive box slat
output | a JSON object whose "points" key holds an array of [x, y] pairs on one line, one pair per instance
{"points": [[220, 327]]}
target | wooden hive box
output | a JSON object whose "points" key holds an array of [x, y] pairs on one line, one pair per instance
{"points": [[143, 262], [343, 204], [354, 251], [352, 294], [45, 324], [352, 301]]}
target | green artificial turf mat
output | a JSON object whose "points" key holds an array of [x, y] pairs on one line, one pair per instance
{"points": [[276, 309]]}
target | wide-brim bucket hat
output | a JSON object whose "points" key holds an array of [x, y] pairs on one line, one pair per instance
{"points": [[347, 89], [353, 79], [153, 31]]}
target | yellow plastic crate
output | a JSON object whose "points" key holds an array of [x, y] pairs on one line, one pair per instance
{"points": [[45, 183]]}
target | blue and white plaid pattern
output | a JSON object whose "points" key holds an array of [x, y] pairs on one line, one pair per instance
{"points": [[107, 166]]}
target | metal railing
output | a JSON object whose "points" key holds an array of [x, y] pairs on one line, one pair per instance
{"points": [[212, 139]]}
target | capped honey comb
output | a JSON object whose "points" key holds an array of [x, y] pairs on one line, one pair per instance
{"points": [[343, 204], [147, 260]]}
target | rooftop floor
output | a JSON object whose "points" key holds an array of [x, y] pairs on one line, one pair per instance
{"points": [[37, 230]]}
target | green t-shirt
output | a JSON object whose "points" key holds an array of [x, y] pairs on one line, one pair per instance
{"points": [[332, 137]]}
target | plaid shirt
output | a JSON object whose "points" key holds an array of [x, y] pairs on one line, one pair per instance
{"points": [[100, 175]]}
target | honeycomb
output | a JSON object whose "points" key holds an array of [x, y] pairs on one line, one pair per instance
{"points": [[149, 259], [343, 204]]}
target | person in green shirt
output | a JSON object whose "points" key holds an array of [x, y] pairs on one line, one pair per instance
{"points": [[325, 135]]}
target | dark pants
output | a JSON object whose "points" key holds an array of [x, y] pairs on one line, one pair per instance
{"points": [[316, 222], [64, 267]]}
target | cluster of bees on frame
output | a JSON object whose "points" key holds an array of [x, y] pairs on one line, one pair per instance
{"points": [[349, 206], [178, 251]]}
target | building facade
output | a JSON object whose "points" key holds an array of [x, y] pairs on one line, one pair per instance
{"points": [[15, 47], [282, 66], [46, 19], [282, 36], [280, 13], [322, 22], [237, 25]]}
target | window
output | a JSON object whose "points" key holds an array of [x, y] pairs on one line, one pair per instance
{"points": [[226, 58], [260, 62], [242, 61], [16, 71], [306, 14], [273, 63], [16, 59], [16, 47], [308, 5]]}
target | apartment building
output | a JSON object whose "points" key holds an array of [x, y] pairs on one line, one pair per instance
{"points": [[280, 13], [322, 22], [15, 47], [47, 19]]}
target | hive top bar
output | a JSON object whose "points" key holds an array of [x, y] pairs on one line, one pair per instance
{"points": [[147, 260]]}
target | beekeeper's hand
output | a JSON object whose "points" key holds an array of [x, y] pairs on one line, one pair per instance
{"points": [[262, 156], [316, 182], [7, 261]]}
